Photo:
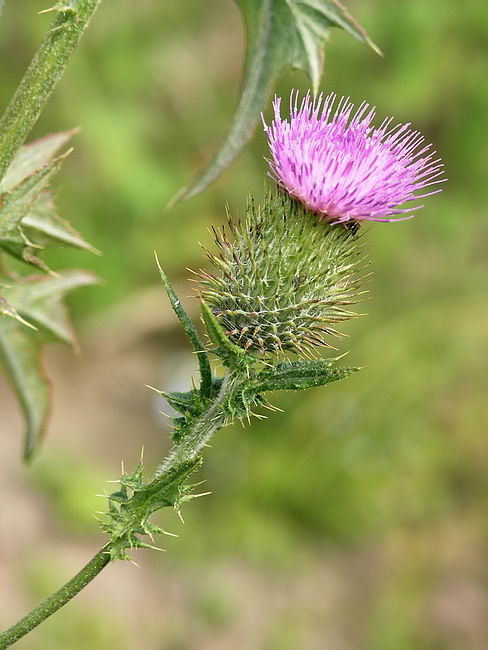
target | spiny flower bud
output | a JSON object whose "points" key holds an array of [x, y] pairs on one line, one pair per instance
{"points": [[284, 279]]}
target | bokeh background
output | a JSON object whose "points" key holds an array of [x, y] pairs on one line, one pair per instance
{"points": [[357, 519]]}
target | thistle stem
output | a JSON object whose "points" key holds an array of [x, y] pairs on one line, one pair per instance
{"points": [[203, 429], [44, 72], [56, 600], [205, 426]]}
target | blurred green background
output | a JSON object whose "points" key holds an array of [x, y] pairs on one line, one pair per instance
{"points": [[357, 519]]}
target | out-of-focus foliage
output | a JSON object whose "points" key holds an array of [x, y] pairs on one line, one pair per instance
{"points": [[280, 34], [27, 211], [37, 304], [28, 215], [356, 519], [28, 221]]}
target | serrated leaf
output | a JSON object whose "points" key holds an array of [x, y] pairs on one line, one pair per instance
{"points": [[190, 402], [28, 215], [191, 332], [43, 220], [119, 497], [280, 34], [38, 300], [298, 375], [184, 403], [7, 310], [19, 353], [15, 205], [163, 489], [33, 157], [27, 219]]}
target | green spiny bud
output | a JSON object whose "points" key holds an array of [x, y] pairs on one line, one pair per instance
{"points": [[284, 278]]}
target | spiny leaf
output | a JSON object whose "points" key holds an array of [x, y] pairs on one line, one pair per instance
{"points": [[203, 362], [28, 215], [7, 310], [298, 375], [43, 220], [128, 514], [38, 300], [135, 480], [165, 489], [185, 403], [19, 353], [33, 157], [15, 205], [230, 353], [190, 402], [280, 34]]}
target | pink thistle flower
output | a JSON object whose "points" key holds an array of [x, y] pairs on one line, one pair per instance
{"points": [[341, 167]]}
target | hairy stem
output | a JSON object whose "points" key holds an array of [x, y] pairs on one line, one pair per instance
{"points": [[57, 600], [204, 427], [44, 72]]}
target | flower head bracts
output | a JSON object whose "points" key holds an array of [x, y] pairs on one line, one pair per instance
{"points": [[284, 281], [339, 166]]}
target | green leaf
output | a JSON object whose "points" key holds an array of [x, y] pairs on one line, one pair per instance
{"points": [[230, 353], [165, 489], [184, 403], [28, 215], [128, 514], [299, 375], [43, 222], [190, 402], [185, 320], [28, 219], [19, 352], [33, 157], [37, 300], [15, 205], [9, 311], [280, 34]]}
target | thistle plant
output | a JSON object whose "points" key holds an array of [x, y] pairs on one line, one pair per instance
{"points": [[284, 277], [30, 306]]}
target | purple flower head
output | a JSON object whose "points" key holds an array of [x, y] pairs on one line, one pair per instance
{"points": [[338, 165]]}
